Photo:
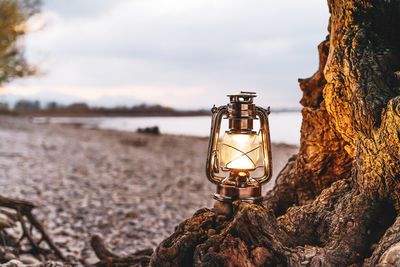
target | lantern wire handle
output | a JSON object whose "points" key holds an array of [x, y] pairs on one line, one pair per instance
{"points": [[212, 164], [266, 144]]}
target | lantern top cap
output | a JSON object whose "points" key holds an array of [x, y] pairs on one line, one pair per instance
{"points": [[242, 97]]}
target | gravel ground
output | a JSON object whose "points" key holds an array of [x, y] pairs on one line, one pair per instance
{"points": [[133, 189]]}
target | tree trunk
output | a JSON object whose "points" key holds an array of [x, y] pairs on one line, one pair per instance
{"points": [[336, 202]]}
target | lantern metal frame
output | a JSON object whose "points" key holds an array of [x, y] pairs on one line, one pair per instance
{"points": [[241, 112]]}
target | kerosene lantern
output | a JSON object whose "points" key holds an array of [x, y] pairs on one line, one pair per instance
{"points": [[233, 160]]}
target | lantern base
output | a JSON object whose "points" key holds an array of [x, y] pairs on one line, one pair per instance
{"points": [[229, 193]]}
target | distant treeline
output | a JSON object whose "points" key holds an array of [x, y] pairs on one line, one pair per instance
{"points": [[34, 108]]}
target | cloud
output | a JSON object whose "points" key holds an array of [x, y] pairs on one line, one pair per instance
{"points": [[204, 48]]}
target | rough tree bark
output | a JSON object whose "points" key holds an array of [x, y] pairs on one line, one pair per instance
{"points": [[336, 202]]}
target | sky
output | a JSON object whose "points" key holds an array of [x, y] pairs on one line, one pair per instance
{"points": [[185, 54]]}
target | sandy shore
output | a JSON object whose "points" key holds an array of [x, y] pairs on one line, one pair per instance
{"points": [[133, 189]]}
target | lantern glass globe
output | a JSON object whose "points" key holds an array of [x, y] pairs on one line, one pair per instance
{"points": [[240, 151]]}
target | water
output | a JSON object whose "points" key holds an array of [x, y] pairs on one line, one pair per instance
{"points": [[284, 126]]}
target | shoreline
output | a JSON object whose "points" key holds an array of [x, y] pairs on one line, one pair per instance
{"points": [[131, 188], [284, 127], [85, 126]]}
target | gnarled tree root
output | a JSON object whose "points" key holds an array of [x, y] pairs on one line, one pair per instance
{"points": [[341, 227]]}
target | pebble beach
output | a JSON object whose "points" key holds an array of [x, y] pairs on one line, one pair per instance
{"points": [[131, 188]]}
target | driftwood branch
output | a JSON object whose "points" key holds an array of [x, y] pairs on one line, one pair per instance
{"points": [[29, 223], [108, 258]]}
